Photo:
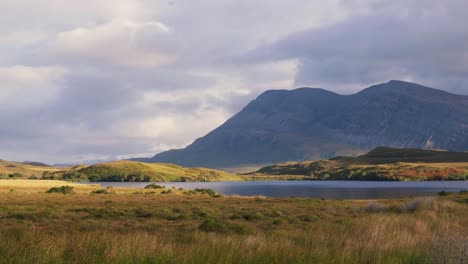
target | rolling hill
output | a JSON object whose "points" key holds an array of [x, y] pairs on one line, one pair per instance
{"points": [[312, 124], [9, 169], [130, 171], [113, 171], [380, 164]]}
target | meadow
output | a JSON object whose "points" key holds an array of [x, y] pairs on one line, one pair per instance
{"points": [[158, 225]]}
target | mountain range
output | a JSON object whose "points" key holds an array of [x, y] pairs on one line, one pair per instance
{"points": [[312, 123]]}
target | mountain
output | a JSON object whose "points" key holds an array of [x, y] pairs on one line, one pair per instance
{"points": [[36, 163], [379, 164], [311, 124]]}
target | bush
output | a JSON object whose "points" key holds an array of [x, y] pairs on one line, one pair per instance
{"points": [[154, 186], [416, 204], [463, 192], [62, 190], [444, 193], [374, 207], [207, 191], [108, 190], [142, 213], [212, 225], [218, 226], [15, 175]]}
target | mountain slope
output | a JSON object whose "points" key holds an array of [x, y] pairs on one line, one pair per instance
{"points": [[308, 124]]}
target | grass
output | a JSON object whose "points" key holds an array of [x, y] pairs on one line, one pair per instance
{"points": [[114, 171], [17, 169], [382, 163], [139, 171], [339, 170], [145, 226]]}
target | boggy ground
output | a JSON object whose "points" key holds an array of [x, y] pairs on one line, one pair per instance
{"points": [[147, 226]]}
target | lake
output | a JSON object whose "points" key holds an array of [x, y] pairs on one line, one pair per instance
{"points": [[314, 189]]}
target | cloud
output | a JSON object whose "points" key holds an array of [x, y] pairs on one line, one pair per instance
{"points": [[123, 43], [420, 41], [100, 79], [24, 86]]}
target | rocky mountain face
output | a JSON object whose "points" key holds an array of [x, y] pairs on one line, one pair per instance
{"points": [[310, 124]]}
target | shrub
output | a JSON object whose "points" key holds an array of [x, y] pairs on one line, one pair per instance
{"points": [[15, 175], [374, 207], [415, 205], [463, 192], [207, 191], [212, 225], [108, 190], [166, 191], [444, 193], [154, 186], [31, 216], [142, 213], [62, 190]]}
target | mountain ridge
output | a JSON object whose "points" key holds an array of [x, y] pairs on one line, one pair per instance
{"points": [[314, 123]]}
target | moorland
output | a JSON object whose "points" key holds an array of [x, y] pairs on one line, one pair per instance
{"points": [[41, 222], [380, 164]]}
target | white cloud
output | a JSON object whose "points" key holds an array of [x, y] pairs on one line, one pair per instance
{"points": [[99, 79], [23, 86], [117, 43]]}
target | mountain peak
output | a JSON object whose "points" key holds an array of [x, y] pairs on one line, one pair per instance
{"points": [[313, 123]]}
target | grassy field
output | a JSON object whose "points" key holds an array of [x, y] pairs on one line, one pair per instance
{"points": [[17, 169], [114, 171], [161, 226], [337, 170], [387, 164]]}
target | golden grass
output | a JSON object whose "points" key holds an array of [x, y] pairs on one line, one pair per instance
{"points": [[35, 186], [9, 167], [164, 228]]}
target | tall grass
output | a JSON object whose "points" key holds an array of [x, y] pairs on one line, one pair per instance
{"points": [[125, 228]]}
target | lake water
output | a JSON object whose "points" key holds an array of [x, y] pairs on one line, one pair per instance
{"points": [[315, 189]]}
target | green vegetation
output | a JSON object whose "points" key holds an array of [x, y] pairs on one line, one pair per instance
{"points": [[17, 170], [206, 191], [129, 227], [62, 190], [154, 186], [118, 171], [108, 190], [381, 164]]}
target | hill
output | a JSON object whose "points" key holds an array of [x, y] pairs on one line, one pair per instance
{"points": [[385, 155], [9, 169], [312, 124], [121, 171], [130, 171], [380, 164]]}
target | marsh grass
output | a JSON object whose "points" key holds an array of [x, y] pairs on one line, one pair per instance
{"points": [[178, 228]]}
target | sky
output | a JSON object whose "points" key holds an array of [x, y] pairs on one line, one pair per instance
{"points": [[112, 79]]}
